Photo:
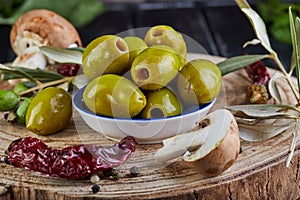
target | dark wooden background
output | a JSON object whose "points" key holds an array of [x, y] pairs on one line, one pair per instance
{"points": [[218, 25]]}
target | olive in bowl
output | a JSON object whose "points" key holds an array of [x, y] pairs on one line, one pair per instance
{"points": [[146, 131]]}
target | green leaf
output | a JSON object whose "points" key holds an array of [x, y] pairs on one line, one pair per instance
{"points": [[78, 12], [80, 49], [17, 72], [62, 55], [35, 74], [238, 62], [294, 27], [259, 28], [242, 3]]}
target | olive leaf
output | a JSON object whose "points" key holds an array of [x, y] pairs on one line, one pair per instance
{"points": [[242, 3], [238, 62], [273, 88], [31, 74], [294, 27], [264, 111], [262, 132], [259, 27], [4, 69], [80, 49], [293, 144], [293, 64], [62, 55], [252, 42]]}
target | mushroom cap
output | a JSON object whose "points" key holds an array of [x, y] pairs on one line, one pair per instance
{"points": [[52, 29]]}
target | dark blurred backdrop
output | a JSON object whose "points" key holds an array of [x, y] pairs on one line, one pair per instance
{"points": [[218, 25]]}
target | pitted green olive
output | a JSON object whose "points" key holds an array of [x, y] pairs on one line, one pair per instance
{"points": [[115, 96], [135, 45], [107, 54], [161, 103], [199, 81], [166, 35], [154, 68], [49, 111]]}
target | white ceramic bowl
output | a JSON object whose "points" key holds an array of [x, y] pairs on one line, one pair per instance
{"points": [[145, 131]]}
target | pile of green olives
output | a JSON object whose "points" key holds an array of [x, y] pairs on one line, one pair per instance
{"points": [[46, 112], [146, 78]]}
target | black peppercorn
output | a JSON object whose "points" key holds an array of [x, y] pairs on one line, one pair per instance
{"points": [[6, 160], [107, 172], [110, 172], [95, 189]]}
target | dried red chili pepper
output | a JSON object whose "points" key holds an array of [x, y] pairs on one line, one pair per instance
{"points": [[74, 162], [258, 92], [258, 73]]}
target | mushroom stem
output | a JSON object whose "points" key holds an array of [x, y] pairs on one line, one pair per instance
{"points": [[178, 145]]}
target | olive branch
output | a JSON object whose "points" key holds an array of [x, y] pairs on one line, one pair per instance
{"points": [[251, 114]]}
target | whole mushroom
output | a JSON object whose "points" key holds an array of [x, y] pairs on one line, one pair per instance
{"points": [[210, 149], [37, 28]]}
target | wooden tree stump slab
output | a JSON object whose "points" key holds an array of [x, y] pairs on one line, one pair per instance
{"points": [[259, 172]]}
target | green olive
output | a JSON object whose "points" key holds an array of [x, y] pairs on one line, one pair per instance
{"points": [[22, 110], [166, 35], [199, 81], [161, 103], [154, 68], [49, 111], [104, 55], [8, 100], [114, 96], [135, 45], [20, 87]]}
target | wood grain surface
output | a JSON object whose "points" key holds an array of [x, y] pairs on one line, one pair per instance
{"points": [[259, 172]]}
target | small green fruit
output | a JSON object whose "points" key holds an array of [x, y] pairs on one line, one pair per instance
{"points": [[22, 110], [135, 45], [154, 68], [161, 103], [8, 100], [20, 87], [166, 35], [199, 81], [114, 96], [107, 54], [49, 111]]}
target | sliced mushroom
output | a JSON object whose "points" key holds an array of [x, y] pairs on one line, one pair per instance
{"points": [[42, 27], [211, 149]]}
